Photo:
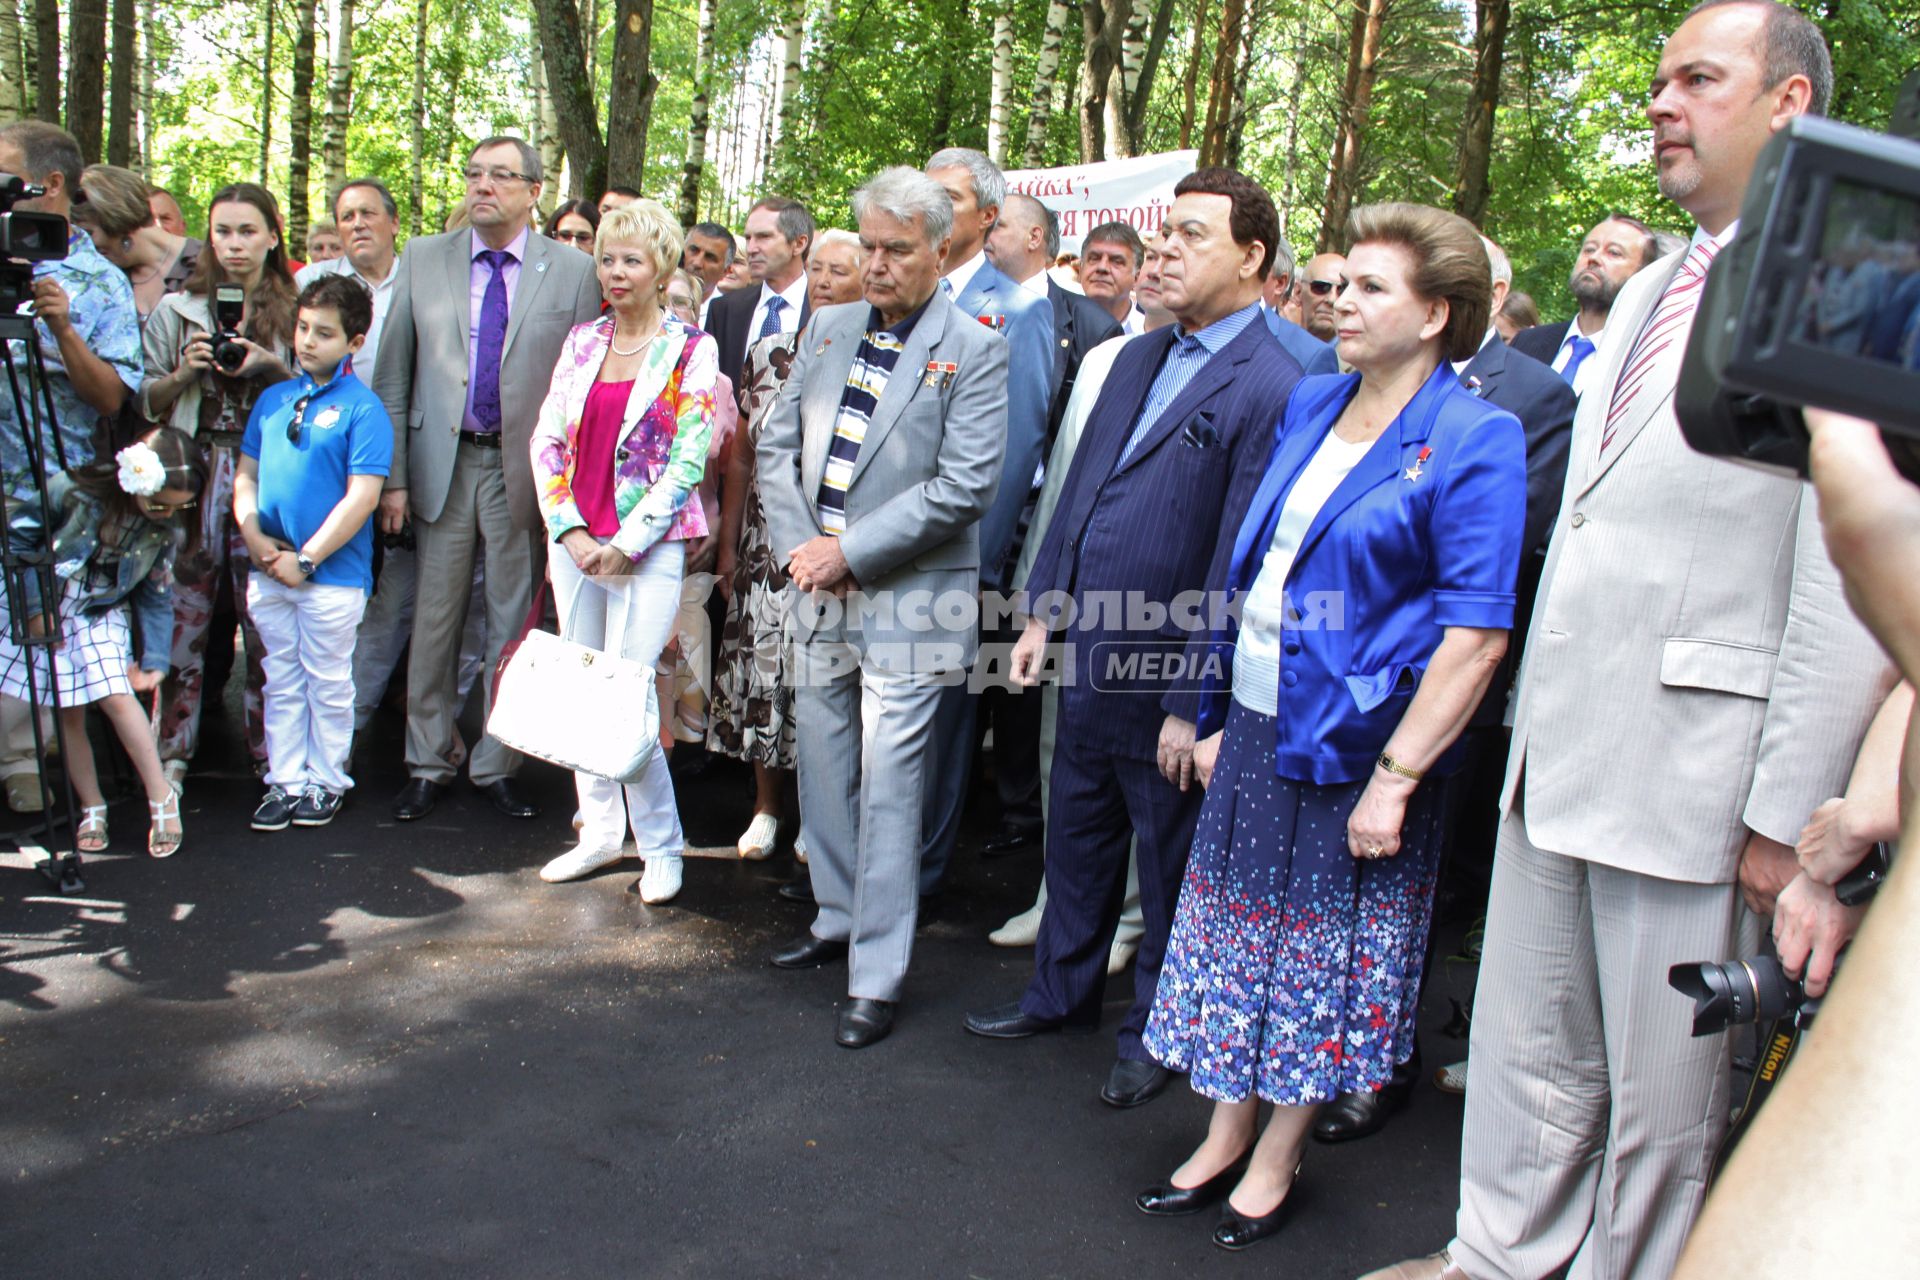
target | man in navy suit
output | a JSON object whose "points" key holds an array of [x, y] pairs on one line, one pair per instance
{"points": [[1169, 459], [1025, 320], [779, 235], [1612, 253]]}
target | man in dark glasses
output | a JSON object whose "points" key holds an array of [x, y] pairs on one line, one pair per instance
{"points": [[1322, 285]]}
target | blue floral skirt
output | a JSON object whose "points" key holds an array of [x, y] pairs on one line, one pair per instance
{"points": [[1294, 968]]}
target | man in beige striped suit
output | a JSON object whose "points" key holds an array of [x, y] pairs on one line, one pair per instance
{"points": [[1694, 685]]}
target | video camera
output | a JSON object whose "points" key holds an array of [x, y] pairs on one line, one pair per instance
{"points": [[25, 238], [1817, 300]]}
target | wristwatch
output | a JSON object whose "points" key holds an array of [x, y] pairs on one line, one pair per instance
{"points": [[305, 561], [1391, 765]]}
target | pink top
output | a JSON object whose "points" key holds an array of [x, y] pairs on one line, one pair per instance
{"points": [[600, 431]]}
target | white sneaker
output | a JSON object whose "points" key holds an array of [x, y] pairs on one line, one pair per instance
{"points": [[1451, 1079], [761, 834], [1021, 931], [1120, 957], [660, 882], [579, 861]]}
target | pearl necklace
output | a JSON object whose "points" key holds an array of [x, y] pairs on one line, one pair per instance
{"points": [[634, 351]]}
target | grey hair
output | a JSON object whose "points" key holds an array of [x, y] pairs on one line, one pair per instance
{"points": [[906, 194], [529, 154], [1497, 261], [1664, 243], [1791, 46], [1046, 219], [835, 235], [989, 184], [1283, 263]]}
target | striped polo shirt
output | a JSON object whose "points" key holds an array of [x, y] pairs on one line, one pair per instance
{"points": [[873, 364]]}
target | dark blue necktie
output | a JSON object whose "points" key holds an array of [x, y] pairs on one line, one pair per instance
{"points": [[491, 342], [1582, 348], [771, 325]]}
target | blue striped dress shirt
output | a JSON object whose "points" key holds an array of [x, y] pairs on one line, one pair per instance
{"points": [[1185, 358]]}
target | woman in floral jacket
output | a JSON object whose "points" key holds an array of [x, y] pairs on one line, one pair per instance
{"points": [[619, 449]]}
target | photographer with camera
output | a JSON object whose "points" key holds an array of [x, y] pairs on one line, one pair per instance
{"points": [[210, 352], [89, 337]]}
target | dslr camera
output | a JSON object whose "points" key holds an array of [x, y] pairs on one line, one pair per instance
{"points": [[1817, 300], [25, 238], [229, 313]]}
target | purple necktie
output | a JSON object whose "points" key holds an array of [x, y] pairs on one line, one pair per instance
{"points": [[492, 339]]}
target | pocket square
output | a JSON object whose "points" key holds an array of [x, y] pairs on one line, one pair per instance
{"points": [[1200, 432]]}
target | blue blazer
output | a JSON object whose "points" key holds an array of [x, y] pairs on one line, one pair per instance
{"points": [[1154, 527], [1025, 320], [1422, 535], [1314, 355]]}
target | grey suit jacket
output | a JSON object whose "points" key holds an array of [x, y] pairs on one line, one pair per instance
{"points": [[421, 375], [928, 468], [1693, 669]]}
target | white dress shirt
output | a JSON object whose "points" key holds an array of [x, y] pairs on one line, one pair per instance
{"points": [[961, 276], [1585, 373], [382, 299], [794, 295], [1036, 284], [1136, 322]]}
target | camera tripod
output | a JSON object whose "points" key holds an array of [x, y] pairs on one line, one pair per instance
{"points": [[21, 564]]}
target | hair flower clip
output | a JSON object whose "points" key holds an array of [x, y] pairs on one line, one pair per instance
{"points": [[141, 472]]}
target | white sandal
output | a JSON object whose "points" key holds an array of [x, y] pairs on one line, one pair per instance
{"points": [[93, 825], [167, 810]]}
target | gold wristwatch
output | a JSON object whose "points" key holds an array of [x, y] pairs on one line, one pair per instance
{"points": [[1391, 765]]}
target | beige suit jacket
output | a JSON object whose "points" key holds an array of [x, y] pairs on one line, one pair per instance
{"points": [[422, 372], [1693, 670]]}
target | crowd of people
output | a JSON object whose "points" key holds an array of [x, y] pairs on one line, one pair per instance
{"points": [[1285, 588]]}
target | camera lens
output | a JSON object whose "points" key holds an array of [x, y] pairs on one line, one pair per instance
{"points": [[229, 355], [1736, 993]]}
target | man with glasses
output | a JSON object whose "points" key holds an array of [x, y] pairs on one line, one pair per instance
{"points": [[1323, 287], [1314, 355], [475, 326]]}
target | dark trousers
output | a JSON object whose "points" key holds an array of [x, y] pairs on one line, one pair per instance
{"points": [[1099, 803]]}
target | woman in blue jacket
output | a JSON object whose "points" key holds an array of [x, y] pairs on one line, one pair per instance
{"points": [[1377, 563]]}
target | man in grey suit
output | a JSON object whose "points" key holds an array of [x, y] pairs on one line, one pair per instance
{"points": [[1694, 686], [876, 465], [467, 355]]}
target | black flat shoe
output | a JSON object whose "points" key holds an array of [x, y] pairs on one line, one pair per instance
{"points": [[1131, 1083], [1011, 1022], [416, 799], [504, 795], [863, 1022], [1237, 1231], [1169, 1201], [798, 889], [1010, 837], [1365, 1113], [810, 953]]}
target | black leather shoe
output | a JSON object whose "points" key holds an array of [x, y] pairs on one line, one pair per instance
{"points": [[1010, 837], [416, 799], [505, 796], [1131, 1083], [1237, 1231], [1169, 1201], [863, 1022], [1011, 1022], [810, 953], [1362, 1114], [798, 889]]}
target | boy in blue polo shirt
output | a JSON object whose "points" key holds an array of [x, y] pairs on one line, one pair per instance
{"points": [[313, 460]]}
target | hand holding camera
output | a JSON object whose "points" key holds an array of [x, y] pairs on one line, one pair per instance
{"points": [[1810, 929]]}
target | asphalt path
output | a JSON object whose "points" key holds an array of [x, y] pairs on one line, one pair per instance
{"points": [[384, 1049]]}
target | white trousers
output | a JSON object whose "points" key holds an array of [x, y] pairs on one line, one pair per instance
{"points": [[630, 616], [307, 633]]}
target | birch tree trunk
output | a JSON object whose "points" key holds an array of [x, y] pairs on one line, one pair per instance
{"points": [[333, 145], [86, 73], [1101, 26], [696, 163], [46, 60], [1471, 172], [149, 72], [1000, 105], [300, 128], [1152, 53], [13, 64], [416, 186], [1296, 84], [1237, 117], [546, 129], [120, 75], [1040, 110], [266, 95], [793, 42], [630, 104]]}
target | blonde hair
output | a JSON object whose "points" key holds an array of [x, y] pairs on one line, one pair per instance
{"points": [[117, 199], [647, 224]]}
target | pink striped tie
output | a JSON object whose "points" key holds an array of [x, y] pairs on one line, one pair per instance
{"points": [[1669, 324]]}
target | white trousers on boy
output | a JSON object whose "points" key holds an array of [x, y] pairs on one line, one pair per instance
{"points": [[307, 633]]}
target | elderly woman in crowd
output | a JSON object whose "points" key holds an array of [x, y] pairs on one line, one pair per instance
{"points": [[752, 703], [118, 214], [574, 222], [617, 453], [189, 388], [1378, 559]]}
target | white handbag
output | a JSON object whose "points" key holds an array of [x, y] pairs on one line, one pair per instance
{"points": [[584, 710]]}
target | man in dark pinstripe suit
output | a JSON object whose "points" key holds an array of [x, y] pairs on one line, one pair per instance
{"points": [[1165, 469]]}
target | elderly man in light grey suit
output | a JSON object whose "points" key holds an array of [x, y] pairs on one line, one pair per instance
{"points": [[1694, 685], [876, 464], [467, 355]]}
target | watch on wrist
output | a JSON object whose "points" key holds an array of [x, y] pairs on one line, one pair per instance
{"points": [[305, 561], [1391, 765]]}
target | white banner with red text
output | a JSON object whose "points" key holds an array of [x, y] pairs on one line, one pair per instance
{"points": [[1137, 192]]}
